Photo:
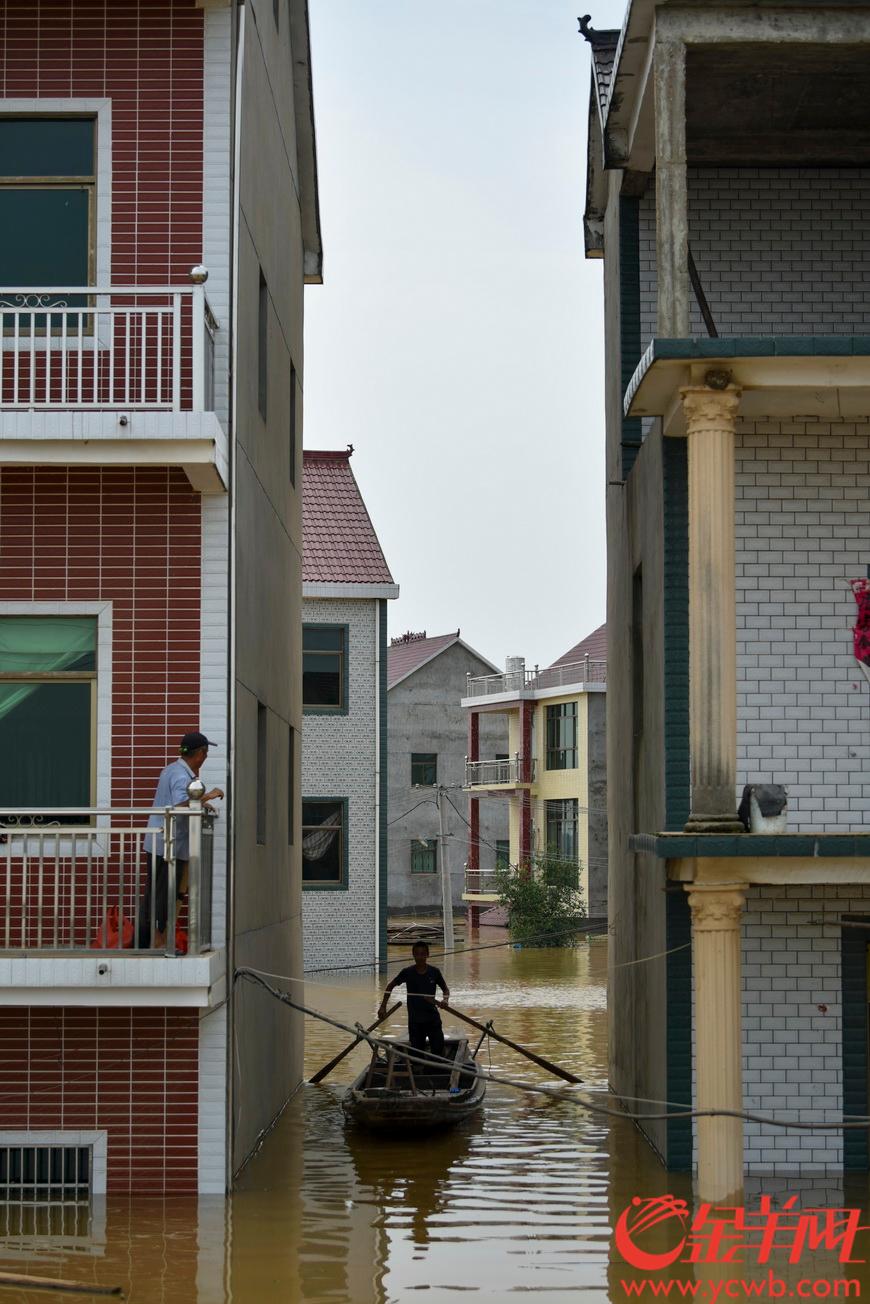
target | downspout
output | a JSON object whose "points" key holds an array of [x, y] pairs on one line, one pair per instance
{"points": [[377, 846], [238, 51]]}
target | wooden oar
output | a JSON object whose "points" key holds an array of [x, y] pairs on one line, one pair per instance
{"points": [[21, 1282], [327, 1068], [529, 1054]]}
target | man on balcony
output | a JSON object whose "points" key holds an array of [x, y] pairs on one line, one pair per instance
{"points": [[171, 791]]}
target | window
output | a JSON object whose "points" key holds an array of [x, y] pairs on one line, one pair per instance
{"points": [[324, 843], [502, 853], [262, 737], [48, 674], [45, 1172], [423, 856], [562, 736], [562, 829], [424, 769], [47, 205], [262, 347], [293, 450], [291, 787], [324, 667]]}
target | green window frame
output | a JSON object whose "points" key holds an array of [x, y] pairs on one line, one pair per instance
{"points": [[424, 856], [48, 692], [562, 736], [324, 844], [424, 769], [325, 669], [48, 190]]}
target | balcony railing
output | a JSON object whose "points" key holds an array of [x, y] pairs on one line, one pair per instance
{"points": [[564, 873], [75, 880], [583, 672], [93, 348], [512, 770]]}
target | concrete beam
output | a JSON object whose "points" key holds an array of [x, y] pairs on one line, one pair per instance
{"points": [[786, 26], [672, 222]]}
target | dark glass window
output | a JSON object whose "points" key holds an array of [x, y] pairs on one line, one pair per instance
{"points": [[424, 768], [324, 842], [562, 736], [562, 830], [47, 202], [502, 853], [324, 667], [262, 741], [263, 347], [47, 701], [423, 856]]}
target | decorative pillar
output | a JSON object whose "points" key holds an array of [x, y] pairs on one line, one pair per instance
{"points": [[672, 222], [716, 910], [525, 858], [473, 862], [710, 419]]}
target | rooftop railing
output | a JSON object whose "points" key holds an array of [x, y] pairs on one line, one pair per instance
{"points": [[95, 348], [585, 672], [84, 880]]}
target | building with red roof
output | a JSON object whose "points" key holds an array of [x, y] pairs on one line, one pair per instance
{"points": [[346, 585]]}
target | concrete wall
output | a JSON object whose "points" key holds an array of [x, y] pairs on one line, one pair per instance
{"points": [[339, 759], [802, 524], [425, 716], [596, 795], [778, 250], [267, 582]]}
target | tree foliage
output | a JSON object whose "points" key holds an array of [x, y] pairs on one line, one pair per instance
{"points": [[544, 905]]}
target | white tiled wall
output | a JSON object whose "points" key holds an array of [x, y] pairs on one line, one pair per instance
{"points": [[778, 250], [803, 531]]}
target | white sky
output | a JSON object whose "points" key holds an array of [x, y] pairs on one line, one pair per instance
{"points": [[457, 339]]}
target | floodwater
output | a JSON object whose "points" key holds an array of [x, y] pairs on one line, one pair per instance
{"points": [[517, 1203]]}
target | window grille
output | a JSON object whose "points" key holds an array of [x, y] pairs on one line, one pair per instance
{"points": [[32, 1173]]}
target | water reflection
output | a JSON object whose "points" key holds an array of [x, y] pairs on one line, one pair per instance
{"points": [[519, 1201]]}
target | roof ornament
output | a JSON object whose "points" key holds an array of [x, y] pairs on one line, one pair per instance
{"points": [[409, 637], [350, 450], [594, 38]]}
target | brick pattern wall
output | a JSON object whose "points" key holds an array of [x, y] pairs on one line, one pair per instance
{"points": [[338, 760], [131, 1073], [802, 527], [779, 250], [132, 537], [792, 1050]]}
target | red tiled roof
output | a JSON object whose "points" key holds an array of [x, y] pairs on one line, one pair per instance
{"points": [[403, 657], [339, 544], [594, 646]]}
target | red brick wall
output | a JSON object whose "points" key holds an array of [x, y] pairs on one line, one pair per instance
{"points": [[132, 536], [132, 1073], [147, 57]]}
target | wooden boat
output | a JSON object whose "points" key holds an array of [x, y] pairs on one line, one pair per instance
{"points": [[394, 1094]]}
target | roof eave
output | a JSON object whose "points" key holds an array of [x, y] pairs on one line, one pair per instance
{"points": [[306, 142]]}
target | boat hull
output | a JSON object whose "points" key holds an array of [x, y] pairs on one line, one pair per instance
{"points": [[428, 1105]]}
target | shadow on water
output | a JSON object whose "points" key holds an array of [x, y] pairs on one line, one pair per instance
{"points": [[519, 1201]]}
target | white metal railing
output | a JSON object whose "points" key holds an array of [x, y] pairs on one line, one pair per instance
{"points": [[509, 769], [540, 867], [106, 347], [583, 672], [83, 880]]}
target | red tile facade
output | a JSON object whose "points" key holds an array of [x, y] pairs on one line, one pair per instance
{"points": [[130, 1073]]}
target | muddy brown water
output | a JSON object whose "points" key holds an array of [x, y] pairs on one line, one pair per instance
{"points": [[519, 1202]]}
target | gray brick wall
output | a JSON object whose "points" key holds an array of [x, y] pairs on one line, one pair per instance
{"points": [[802, 532], [778, 250], [338, 760]]}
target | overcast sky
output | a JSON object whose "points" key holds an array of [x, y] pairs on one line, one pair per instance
{"points": [[457, 339]]}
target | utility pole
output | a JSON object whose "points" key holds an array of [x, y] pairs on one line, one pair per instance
{"points": [[446, 892]]}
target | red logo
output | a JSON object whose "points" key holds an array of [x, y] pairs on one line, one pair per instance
{"points": [[639, 1217]]}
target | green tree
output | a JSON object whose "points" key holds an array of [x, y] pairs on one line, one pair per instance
{"points": [[544, 904]]}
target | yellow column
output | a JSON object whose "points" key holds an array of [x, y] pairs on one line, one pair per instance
{"points": [[710, 420], [716, 910]]}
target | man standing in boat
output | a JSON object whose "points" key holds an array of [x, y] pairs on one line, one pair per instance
{"points": [[422, 981]]}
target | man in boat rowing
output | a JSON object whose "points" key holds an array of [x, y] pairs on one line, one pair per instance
{"points": [[421, 980]]}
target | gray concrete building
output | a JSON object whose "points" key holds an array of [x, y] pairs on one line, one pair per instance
{"points": [[428, 744]]}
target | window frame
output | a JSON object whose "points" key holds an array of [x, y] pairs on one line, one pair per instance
{"points": [[344, 677], [416, 759], [569, 713], [549, 852], [417, 851], [340, 885], [503, 849]]}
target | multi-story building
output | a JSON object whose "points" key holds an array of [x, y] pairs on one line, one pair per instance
{"points": [[554, 775], [160, 218], [728, 170], [426, 678], [346, 584]]}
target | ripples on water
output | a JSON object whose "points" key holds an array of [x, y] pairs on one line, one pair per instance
{"points": [[516, 1203]]}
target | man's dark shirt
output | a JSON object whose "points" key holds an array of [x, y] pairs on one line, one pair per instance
{"points": [[419, 985]]}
